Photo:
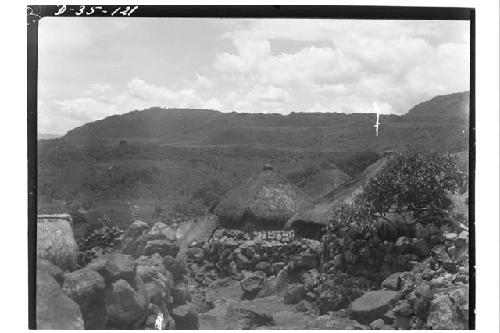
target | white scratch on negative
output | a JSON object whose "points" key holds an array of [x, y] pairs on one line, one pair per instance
{"points": [[375, 105]]}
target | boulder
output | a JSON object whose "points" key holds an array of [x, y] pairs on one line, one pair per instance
{"points": [[86, 288], [127, 308], [421, 247], [132, 240], [392, 282], [181, 294], [372, 305], [53, 270], [177, 268], [305, 261], [263, 266], [277, 267], [332, 299], [186, 317], [445, 315], [450, 236], [162, 246], [55, 310], [377, 324], [115, 266], [195, 253], [462, 239], [252, 284], [245, 317], [402, 245], [294, 294], [161, 231], [291, 320]]}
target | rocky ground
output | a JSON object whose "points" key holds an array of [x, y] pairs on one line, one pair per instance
{"points": [[230, 281]]}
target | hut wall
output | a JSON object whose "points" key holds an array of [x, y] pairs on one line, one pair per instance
{"points": [[55, 241]]}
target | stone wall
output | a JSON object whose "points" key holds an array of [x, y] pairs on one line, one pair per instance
{"points": [[231, 251], [369, 255]]}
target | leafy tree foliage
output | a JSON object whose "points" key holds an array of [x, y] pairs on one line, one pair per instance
{"points": [[414, 182], [410, 183]]}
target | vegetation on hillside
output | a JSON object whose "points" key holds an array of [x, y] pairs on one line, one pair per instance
{"points": [[414, 184]]}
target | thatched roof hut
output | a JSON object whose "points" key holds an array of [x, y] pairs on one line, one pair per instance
{"points": [[309, 221], [325, 181], [55, 241], [264, 201]]}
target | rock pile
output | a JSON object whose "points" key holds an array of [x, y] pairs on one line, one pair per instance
{"points": [[126, 290]]}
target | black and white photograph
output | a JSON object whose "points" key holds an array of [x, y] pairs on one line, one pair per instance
{"points": [[239, 168]]}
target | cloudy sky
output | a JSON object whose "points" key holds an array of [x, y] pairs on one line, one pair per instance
{"points": [[90, 68]]}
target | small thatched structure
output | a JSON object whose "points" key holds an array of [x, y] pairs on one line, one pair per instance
{"points": [[309, 221], [55, 241], [263, 202]]}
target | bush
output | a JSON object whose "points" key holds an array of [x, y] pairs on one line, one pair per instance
{"points": [[414, 182], [410, 184], [99, 241]]}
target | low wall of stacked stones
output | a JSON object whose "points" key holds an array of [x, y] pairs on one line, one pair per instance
{"points": [[232, 251], [375, 258]]}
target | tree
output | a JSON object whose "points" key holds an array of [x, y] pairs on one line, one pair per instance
{"points": [[414, 182]]}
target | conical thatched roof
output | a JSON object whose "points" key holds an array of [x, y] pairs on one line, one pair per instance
{"points": [[325, 181], [265, 198], [55, 241], [321, 211]]}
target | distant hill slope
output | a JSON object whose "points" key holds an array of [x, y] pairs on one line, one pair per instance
{"points": [[437, 124], [46, 136], [181, 157], [442, 107]]}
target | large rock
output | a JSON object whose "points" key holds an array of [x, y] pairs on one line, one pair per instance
{"points": [[161, 231], [53, 270], [421, 247], [177, 268], [392, 281], [246, 317], [305, 261], [252, 284], [332, 299], [127, 308], [133, 239], [294, 294], [55, 310], [86, 288], [157, 293], [115, 266], [372, 305], [449, 310], [402, 245], [263, 266], [462, 239], [241, 260], [274, 285], [186, 317], [162, 246], [181, 294]]}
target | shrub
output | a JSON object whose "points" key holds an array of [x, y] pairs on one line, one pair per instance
{"points": [[415, 182]]}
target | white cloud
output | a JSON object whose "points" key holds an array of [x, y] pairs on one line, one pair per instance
{"points": [[269, 65], [398, 63], [100, 101], [203, 82]]}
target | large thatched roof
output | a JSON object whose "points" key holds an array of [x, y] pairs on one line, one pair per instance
{"points": [[325, 181], [321, 210], [55, 241], [265, 198]]}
